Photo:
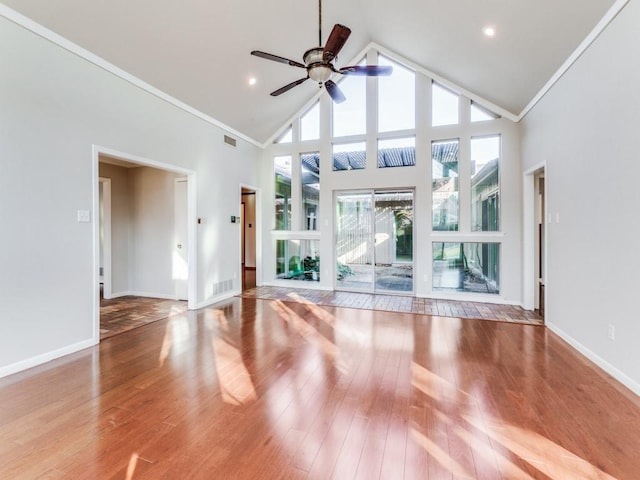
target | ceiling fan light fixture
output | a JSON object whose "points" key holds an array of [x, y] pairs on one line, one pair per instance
{"points": [[319, 70], [318, 62], [319, 73]]}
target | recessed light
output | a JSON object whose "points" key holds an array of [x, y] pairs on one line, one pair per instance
{"points": [[252, 81], [489, 31]]}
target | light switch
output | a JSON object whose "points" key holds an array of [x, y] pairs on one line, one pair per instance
{"points": [[84, 216]]}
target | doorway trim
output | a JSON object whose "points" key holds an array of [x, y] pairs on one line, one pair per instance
{"points": [[529, 225], [191, 228], [106, 236], [258, 217]]}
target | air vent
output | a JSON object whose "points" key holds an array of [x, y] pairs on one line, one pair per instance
{"points": [[230, 140], [223, 286]]}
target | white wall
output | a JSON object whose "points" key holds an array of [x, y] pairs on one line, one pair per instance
{"points": [[54, 106], [142, 230], [586, 130], [153, 232], [121, 200]]}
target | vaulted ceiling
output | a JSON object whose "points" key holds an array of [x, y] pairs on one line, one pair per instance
{"points": [[198, 50]]}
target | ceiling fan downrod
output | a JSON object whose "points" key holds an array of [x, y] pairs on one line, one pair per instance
{"points": [[320, 23]]}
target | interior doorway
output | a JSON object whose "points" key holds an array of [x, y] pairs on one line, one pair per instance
{"points": [[248, 244], [144, 232], [374, 241], [534, 271], [104, 234], [540, 243]]}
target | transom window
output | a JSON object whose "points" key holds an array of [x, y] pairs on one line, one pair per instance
{"points": [[445, 106], [286, 136], [349, 156], [350, 116], [310, 123], [396, 98], [397, 152]]}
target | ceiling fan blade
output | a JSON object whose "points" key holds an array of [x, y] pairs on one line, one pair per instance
{"points": [[276, 58], [334, 92], [367, 70], [335, 42], [288, 87]]}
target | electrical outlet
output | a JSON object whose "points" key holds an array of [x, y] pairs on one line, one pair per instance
{"points": [[612, 332]]}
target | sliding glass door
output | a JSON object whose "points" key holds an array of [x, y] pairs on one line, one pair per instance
{"points": [[354, 241], [374, 241]]}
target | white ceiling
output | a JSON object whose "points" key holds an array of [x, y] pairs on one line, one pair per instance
{"points": [[198, 51]]}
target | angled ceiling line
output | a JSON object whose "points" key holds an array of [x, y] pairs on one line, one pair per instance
{"points": [[611, 14], [412, 66], [100, 62], [447, 83]]}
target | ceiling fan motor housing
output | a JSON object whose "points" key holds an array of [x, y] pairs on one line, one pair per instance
{"points": [[317, 68]]}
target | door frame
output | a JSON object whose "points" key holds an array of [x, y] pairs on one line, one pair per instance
{"points": [[530, 233], [176, 181], [257, 227], [106, 237], [96, 152]]}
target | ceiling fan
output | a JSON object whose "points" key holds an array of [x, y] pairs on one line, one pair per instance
{"points": [[318, 62]]}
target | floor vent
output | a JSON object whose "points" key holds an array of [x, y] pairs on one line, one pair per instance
{"points": [[230, 140], [224, 286]]}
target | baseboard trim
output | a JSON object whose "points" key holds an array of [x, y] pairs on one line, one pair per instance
{"points": [[162, 296], [598, 360], [303, 286], [216, 299], [44, 358]]}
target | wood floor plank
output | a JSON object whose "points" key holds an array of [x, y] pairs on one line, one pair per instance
{"points": [[271, 389]]}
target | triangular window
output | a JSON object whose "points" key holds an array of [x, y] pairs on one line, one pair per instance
{"points": [[286, 136], [481, 114]]}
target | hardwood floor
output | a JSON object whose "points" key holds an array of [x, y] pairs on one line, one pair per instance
{"points": [[398, 303], [261, 389], [122, 314]]}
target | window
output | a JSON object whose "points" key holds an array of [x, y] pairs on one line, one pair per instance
{"points": [[481, 114], [397, 152], [282, 170], [485, 184], [286, 136], [349, 156], [445, 106], [396, 98], [310, 167], [310, 123], [298, 260], [350, 116], [445, 185], [466, 267]]}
